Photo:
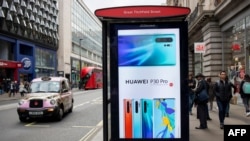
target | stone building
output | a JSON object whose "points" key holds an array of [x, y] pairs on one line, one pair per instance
{"points": [[224, 27]]}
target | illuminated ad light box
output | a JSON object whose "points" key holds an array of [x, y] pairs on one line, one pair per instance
{"points": [[148, 67]]}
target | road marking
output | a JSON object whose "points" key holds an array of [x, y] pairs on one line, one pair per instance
{"points": [[97, 100], [81, 104], [33, 124], [8, 106], [92, 132], [83, 126], [43, 126], [30, 124]]}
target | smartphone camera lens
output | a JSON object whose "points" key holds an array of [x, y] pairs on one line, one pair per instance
{"points": [[164, 39]]}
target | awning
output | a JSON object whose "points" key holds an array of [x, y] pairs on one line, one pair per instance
{"points": [[10, 64]]}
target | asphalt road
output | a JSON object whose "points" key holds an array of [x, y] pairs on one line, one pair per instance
{"points": [[80, 125]]}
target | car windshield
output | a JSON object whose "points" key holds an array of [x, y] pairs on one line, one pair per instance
{"points": [[45, 86]]}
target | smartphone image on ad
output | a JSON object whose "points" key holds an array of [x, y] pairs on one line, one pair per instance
{"points": [[136, 118], [164, 118], [147, 118], [128, 118], [147, 50]]}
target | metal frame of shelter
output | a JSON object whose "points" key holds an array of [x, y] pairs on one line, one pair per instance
{"points": [[140, 15]]}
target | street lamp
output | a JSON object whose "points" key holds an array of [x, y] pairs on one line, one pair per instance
{"points": [[80, 42]]}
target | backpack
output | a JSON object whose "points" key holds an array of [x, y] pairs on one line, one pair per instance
{"points": [[246, 87]]}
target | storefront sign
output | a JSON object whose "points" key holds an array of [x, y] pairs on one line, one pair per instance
{"points": [[199, 47], [10, 64], [236, 46], [3, 64], [26, 63], [60, 73]]}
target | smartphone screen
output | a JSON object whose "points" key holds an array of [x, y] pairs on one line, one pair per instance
{"points": [[147, 50], [147, 118], [136, 118], [128, 118], [164, 118]]}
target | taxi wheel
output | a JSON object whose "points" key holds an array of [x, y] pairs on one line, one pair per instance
{"points": [[60, 114], [71, 108], [22, 119]]}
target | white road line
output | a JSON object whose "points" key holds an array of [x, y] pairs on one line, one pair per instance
{"points": [[81, 104], [92, 132], [33, 124], [83, 126], [30, 124]]}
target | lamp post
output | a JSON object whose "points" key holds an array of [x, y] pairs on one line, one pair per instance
{"points": [[80, 42], [80, 67]]}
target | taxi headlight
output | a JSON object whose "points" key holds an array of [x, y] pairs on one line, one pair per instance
{"points": [[20, 102], [53, 102]]}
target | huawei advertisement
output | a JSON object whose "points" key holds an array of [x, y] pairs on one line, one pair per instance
{"points": [[149, 88]]}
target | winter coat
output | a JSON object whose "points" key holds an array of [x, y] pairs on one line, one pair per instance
{"points": [[223, 90]]}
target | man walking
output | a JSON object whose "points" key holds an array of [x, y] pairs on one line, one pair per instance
{"points": [[223, 93]]}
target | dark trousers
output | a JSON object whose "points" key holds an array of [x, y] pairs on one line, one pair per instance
{"points": [[202, 114], [222, 106], [191, 101]]}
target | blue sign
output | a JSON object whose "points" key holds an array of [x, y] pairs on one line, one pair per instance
{"points": [[26, 63]]}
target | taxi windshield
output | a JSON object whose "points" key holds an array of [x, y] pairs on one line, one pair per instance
{"points": [[45, 86]]}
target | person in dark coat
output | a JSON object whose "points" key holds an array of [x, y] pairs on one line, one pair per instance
{"points": [[201, 106], [191, 87], [245, 97], [223, 93]]}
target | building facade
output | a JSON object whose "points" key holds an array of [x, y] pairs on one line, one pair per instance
{"points": [[224, 27], [28, 39], [80, 42]]}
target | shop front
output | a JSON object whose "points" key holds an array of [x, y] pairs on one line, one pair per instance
{"points": [[9, 69], [8, 72], [237, 43]]}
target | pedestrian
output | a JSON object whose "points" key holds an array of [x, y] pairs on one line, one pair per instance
{"points": [[228, 105], [22, 89], [210, 93], [27, 86], [12, 89], [16, 87], [191, 87], [245, 93], [223, 94], [201, 105], [1, 89]]}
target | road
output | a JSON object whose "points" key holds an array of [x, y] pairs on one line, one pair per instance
{"points": [[80, 125]]}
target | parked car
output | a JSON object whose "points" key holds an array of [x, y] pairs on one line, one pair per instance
{"points": [[47, 97]]}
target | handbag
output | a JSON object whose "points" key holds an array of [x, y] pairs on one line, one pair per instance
{"points": [[203, 95]]}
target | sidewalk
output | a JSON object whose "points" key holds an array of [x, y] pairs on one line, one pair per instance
{"points": [[213, 133], [5, 97]]}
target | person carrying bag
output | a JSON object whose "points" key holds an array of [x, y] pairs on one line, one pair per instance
{"points": [[22, 89], [201, 101]]}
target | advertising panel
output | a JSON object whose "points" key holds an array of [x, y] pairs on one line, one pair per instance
{"points": [[148, 81], [148, 91]]}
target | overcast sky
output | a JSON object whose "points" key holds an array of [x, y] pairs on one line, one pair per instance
{"points": [[97, 4]]}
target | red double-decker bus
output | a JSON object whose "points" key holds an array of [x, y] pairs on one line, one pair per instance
{"points": [[91, 78]]}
